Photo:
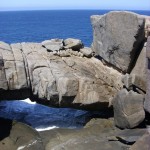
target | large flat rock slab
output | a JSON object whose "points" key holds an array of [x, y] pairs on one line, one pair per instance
{"points": [[64, 78]]}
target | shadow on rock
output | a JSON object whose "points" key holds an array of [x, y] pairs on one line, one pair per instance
{"points": [[5, 128], [16, 136]]}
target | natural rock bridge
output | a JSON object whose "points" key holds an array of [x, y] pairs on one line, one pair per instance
{"points": [[63, 73], [29, 70]]}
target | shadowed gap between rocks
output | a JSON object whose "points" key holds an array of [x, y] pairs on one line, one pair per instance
{"points": [[149, 64], [5, 128], [136, 55]]}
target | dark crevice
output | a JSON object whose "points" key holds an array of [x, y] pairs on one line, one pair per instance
{"points": [[5, 128], [148, 63], [109, 64], [14, 94], [137, 47]]}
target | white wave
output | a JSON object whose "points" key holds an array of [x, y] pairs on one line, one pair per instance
{"points": [[32, 142], [28, 101], [46, 129], [21, 147]]}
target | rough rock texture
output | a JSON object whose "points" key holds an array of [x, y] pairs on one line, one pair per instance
{"points": [[18, 136], [140, 70], [147, 97], [130, 136], [95, 136], [53, 44], [55, 72], [86, 51], [74, 44], [63, 78], [143, 143], [128, 109], [147, 26], [118, 37]]}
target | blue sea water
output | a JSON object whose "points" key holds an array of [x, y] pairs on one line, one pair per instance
{"points": [[36, 26], [41, 117]]}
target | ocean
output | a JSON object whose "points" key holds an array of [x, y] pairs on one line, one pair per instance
{"points": [[37, 26]]}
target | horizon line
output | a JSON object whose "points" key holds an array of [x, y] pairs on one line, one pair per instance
{"points": [[72, 9]]}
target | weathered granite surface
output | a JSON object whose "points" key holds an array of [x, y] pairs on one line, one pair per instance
{"points": [[147, 97], [95, 136], [143, 143], [60, 77], [18, 136], [128, 109], [117, 38], [63, 73]]}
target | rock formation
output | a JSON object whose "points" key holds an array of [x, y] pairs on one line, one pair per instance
{"points": [[128, 109], [137, 77], [64, 73], [117, 38], [20, 136], [147, 99], [142, 143], [52, 71]]}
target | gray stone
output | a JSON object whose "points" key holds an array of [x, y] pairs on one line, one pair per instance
{"points": [[139, 70], [70, 81], [64, 54], [86, 51], [9, 66], [143, 143], [132, 81], [130, 135], [21, 82], [127, 80], [147, 97], [93, 137], [73, 44], [21, 136], [128, 109], [4, 46], [147, 26], [59, 79], [53, 44], [41, 77], [117, 38], [94, 77], [3, 81]]}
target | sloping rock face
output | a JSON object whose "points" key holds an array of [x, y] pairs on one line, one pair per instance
{"points": [[17, 136], [136, 80], [128, 109], [139, 71], [64, 73], [147, 97], [53, 44], [117, 38], [62, 78], [95, 136], [143, 143]]}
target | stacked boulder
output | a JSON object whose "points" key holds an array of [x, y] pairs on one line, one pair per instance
{"points": [[65, 48], [119, 39]]}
